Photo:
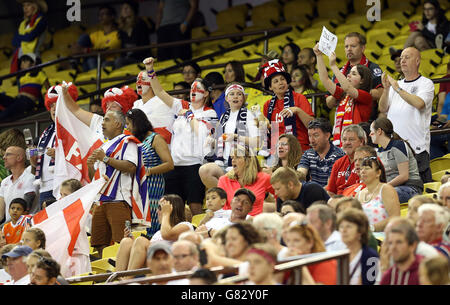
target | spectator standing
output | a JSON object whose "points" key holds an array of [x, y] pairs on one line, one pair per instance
{"points": [[158, 113], [17, 185], [288, 110], [119, 160], [343, 172], [364, 263], [317, 162], [408, 104], [398, 160], [353, 99], [173, 23], [355, 45], [156, 157], [192, 126], [31, 32]]}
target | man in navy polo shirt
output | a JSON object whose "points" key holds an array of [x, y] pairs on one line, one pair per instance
{"points": [[318, 161]]}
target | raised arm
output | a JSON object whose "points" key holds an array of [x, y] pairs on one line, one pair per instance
{"points": [[322, 69], [81, 114], [383, 103], [343, 81], [156, 86]]}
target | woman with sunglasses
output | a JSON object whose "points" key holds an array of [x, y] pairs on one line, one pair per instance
{"points": [[246, 173], [289, 153], [193, 124], [379, 199], [398, 159], [156, 157], [132, 252]]}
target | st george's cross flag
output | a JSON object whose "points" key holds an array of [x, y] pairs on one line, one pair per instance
{"points": [[74, 144], [63, 223]]}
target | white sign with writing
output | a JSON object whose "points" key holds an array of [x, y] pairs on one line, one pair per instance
{"points": [[327, 42]]}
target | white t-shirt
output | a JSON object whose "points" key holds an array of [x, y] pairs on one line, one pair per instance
{"points": [[411, 124], [431, 27], [23, 281], [230, 127], [126, 181], [158, 113], [17, 189], [354, 280], [5, 277], [158, 237], [187, 147], [217, 223]]}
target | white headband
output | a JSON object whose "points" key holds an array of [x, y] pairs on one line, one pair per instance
{"points": [[234, 87]]}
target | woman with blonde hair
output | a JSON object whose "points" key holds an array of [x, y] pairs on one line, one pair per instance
{"points": [[246, 173]]}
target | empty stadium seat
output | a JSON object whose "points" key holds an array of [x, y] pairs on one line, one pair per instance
{"points": [[110, 251], [102, 266], [439, 164], [438, 175], [232, 19], [332, 9], [298, 11], [431, 187], [266, 15]]}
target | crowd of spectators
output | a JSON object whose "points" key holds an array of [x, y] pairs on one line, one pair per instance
{"points": [[323, 186]]}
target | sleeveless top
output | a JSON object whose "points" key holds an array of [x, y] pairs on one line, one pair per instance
{"points": [[374, 208]]}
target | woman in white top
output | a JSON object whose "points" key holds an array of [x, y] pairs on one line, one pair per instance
{"points": [[132, 253], [379, 200], [194, 122], [236, 125]]}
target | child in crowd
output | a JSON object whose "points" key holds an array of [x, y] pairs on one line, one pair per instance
{"points": [[216, 198], [69, 186], [14, 229], [34, 238]]}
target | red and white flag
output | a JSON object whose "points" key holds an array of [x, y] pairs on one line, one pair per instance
{"points": [[63, 223], [74, 143]]}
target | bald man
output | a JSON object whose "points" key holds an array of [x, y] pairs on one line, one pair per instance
{"points": [[17, 185], [408, 105]]}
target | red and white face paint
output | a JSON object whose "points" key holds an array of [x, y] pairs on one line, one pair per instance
{"points": [[197, 92], [142, 83]]}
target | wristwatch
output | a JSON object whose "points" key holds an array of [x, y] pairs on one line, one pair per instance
{"points": [[399, 89], [105, 159]]}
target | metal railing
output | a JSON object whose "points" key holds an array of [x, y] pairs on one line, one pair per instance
{"points": [[296, 263]]}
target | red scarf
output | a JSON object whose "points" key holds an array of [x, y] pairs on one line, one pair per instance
{"points": [[345, 69]]}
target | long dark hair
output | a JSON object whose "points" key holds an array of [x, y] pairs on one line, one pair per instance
{"points": [[386, 126], [238, 69], [141, 124], [366, 77], [440, 14], [305, 76], [178, 212]]}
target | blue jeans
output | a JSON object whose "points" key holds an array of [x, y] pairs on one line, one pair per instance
{"points": [[405, 192]]}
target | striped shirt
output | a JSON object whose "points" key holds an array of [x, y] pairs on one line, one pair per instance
{"points": [[320, 169]]}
